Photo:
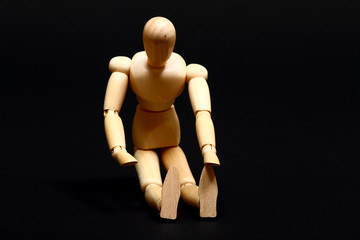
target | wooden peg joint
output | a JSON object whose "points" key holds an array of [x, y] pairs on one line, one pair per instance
{"points": [[114, 129], [209, 154], [195, 70], [120, 64]]}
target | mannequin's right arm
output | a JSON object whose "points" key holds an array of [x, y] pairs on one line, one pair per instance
{"points": [[114, 98]]}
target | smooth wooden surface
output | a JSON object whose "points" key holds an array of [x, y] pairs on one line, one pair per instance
{"points": [[156, 129], [159, 37], [209, 154], [205, 129], [195, 70], [147, 168], [155, 106], [170, 194], [190, 195], [158, 76], [174, 156], [114, 130], [120, 64], [114, 98], [123, 157], [208, 192], [157, 85], [199, 95], [153, 196], [116, 91]]}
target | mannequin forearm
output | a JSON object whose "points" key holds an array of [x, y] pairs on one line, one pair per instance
{"points": [[114, 129], [114, 132], [205, 129], [206, 137]]}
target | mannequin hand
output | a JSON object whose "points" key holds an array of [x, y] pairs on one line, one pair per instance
{"points": [[123, 157], [210, 157]]}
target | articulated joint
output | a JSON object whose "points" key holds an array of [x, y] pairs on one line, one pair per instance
{"points": [[110, 112], [207, 147], [153, 195]]}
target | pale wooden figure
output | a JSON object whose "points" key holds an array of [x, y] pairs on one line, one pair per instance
{"points": [[157, 76]]}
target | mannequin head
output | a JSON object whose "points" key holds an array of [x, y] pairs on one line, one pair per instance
{"points": [[159, 37]]}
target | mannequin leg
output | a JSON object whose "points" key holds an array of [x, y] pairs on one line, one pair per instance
{"points": [[174, 156], [162, 197], [148, 171]]}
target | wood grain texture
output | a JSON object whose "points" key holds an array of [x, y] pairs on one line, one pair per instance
{"points": [[147, 168], [114, 130], [170, 194], [158, 76], [156, 86], [199, 95], [115, 91], [208, 192], [120, 64], [156, 129], [195, 70], [205, 129], [159, 38], [174, 156], [153, 196]]}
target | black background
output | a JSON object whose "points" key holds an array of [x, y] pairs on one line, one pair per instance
{"points": [[284, 80]]}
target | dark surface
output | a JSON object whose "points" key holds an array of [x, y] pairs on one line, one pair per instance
{"points": [[284, 80]]}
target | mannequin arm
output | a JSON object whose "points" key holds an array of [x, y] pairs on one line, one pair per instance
{"points": [[201, 104], [114, 98]]}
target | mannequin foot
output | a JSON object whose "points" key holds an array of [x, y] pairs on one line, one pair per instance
{"points": [[170, 194], [208, 192]]}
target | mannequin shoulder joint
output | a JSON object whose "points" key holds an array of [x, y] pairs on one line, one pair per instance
{"points": [[195, 70], [120, 64]]}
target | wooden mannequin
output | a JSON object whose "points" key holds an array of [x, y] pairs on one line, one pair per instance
{"points": [[157, 76]]}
